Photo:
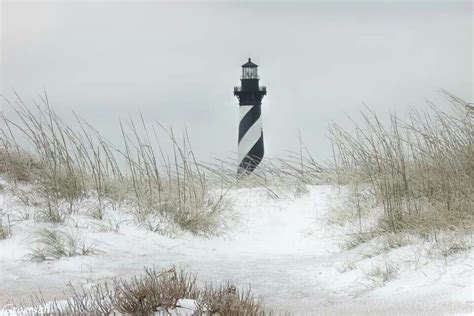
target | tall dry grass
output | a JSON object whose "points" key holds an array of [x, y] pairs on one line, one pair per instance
{"points": [[290, 174], [66, 163], [420, 170], [51, 164]]}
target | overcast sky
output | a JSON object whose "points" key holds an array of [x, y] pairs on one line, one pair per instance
{"points": [[177, 63]]}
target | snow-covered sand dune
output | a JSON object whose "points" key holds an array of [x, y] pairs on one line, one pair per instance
{"points": [[283, 247]]}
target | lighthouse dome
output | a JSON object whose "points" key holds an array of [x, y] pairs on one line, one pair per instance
{"points": [[249, 64]]}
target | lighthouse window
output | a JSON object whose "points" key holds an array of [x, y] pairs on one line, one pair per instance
{"points": [[249, 73], [246, 73], [253, 72]]}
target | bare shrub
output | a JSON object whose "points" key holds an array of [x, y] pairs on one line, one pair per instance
{"points": [[155, 292], [227, 299], [97, 300]]}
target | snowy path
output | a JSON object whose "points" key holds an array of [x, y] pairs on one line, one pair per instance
{"points": [[281, 247]]}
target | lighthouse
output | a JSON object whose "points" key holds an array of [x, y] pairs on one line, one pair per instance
{"points": [[250, 141]]}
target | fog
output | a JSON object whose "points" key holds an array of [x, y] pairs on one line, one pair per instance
{"points": [[177, 63]]}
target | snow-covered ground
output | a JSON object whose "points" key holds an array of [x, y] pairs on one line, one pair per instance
{"points": [[285, 248]]}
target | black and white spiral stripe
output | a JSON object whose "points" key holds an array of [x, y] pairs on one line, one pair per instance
{"points": [[250, 149]]}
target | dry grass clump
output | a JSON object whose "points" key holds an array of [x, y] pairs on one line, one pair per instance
{"points": [[51, 243], [68, 164], [421, 172], [355, 240], [449, 244], [226, 299], [17, 167], [50, 213], [382, 273], [155, 292], [5, 228]]}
